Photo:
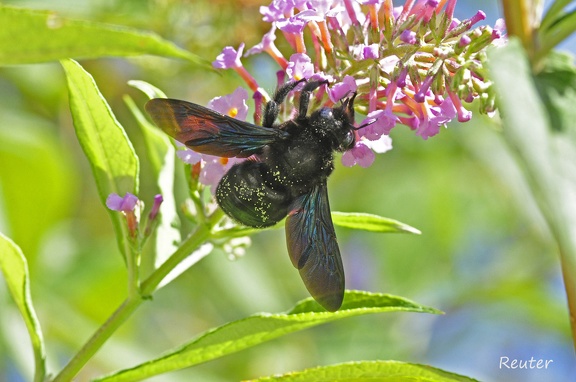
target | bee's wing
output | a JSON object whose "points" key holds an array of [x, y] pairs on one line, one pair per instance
{"points": [[209, 132], [313, 248]]}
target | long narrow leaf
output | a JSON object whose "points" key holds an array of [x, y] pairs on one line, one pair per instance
{"points": [[553, 12], [104, 141], [353, 220], [31, 36], [14, 266], [263, 327], [370, 222], [563, 27], [161, 153], [370, 371]]}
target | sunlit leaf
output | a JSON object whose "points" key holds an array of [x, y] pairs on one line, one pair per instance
{"points": [[385, 371], [370, 222], [553, 12], [561, 28], [31, 36], [161, 154], [150, 90], [253, 330], [15, 269], [114, 163], [353, 220]]}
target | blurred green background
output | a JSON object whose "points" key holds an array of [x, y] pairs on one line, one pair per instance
{"points": [[484, 256]]}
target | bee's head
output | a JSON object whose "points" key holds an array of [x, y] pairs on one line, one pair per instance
{"points": [[336, 124]]}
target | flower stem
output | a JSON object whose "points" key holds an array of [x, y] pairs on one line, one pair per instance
{"points": [[523, 18], [98, 339], [133, 267], [568, 263]]}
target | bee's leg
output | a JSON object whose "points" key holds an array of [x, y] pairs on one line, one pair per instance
{"points": [[305, 96], [273, 106]]}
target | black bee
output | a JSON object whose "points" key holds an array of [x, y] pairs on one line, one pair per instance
{"points": [[285, 174]]}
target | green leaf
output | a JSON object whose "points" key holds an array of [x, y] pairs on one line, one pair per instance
{"points": [[370, 371], [353, 220], [150, 90], [556, 83], [561, 28], [15, 269], [31, 36], [552, 13], [547, 157], [369, 222], [114, 163], [514, 85], [253, 330], [161, 154]]}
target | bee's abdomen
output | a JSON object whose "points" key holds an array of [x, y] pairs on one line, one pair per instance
{"points": [[246, 197]]}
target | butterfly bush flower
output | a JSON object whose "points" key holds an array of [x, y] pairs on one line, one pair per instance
{"points": [[230, 59], [267, 45], [130, 206], [158, 199], [124, 204], [300, 66], [209, 169], [411, 64]]}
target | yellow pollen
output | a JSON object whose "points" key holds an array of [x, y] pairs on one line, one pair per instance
{"points": [[233, 112], [223, 161]]}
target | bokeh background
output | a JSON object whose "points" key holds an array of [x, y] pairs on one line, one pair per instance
{"points": [[484, 257]]}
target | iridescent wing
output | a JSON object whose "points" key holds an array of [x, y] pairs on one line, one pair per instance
{"points": [[313, 247], [209, 132]]}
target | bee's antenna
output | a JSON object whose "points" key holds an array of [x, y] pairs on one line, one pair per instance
{"points": [[364, 125]]}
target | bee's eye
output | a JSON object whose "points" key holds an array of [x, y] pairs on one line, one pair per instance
{"points": [[348, 141]]}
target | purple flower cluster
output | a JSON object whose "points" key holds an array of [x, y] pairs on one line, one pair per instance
{"points": [[413, 65]]}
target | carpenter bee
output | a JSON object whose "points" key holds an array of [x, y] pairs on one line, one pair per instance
{"points": [[285, 174]]}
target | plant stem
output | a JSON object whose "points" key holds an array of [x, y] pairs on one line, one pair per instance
{"points": [[98, 339], [519, 21], [133, 301], [568, 273], [133, 267]]}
